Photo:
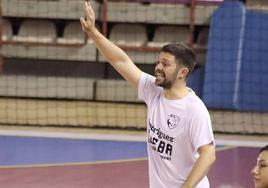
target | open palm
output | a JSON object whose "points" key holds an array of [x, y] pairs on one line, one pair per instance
{"points": [[88, 23]]}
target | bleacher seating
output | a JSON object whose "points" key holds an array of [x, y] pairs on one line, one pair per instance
{"points": [[28, 97], [169, 34], [115, 90], [69, 9], [236, 69], [73, 34], [43, 31], [129, 35], [203, 14], [132, 35], [132, 12], [46, 87], [158, 12], [257, 4]]}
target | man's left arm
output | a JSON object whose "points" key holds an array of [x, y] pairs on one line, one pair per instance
{"points": [[202, 165]]}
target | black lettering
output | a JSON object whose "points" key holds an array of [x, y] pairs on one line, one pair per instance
{"points": [[169, 149], [161, 147], [155, 140], [159, 133]]}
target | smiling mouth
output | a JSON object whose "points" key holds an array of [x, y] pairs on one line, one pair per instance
{"points": [[255, 179], [161, 74], [160, 77]]}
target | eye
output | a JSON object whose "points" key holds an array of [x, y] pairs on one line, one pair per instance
{"points": [[164, 63], [263, 165]]}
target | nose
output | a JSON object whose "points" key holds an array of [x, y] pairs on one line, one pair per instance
{"points": [[158, 67], [254, 171]]}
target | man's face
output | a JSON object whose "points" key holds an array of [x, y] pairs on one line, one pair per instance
{"points": [[260, 171], [166, 70]]}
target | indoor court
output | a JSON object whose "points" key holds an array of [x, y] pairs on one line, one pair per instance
{"points": [[53, 157], [69, 120]]}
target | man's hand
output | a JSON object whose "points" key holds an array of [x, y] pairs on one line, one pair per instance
{"points": [[185, 186], [88, 23]]}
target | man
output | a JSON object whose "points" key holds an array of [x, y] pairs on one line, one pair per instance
{"points": [[260, 171], [180, 139]]}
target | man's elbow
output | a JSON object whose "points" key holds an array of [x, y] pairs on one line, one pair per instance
{"points": [[212, 155], [209, 153], [213, 158]]}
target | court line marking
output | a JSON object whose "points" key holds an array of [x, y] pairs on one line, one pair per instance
{"points": [[95, 136], [223, 148], [121, 137], [243, 143], [93, 162], [226, 144], [74, 163]]}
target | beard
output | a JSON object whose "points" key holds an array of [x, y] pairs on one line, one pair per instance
{"points": [[162, 81]]}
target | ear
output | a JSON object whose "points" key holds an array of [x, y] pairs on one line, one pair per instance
{"points": [[183, 72]]}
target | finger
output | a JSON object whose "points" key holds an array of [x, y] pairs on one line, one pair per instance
{"points": [[90, 9], [83, 23], [87, 12]]}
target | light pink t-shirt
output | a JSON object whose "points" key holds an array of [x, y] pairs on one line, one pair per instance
{"points": [[175, 129]]}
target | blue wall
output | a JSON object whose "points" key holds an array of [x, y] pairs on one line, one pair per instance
{"points": [[236, 73]]}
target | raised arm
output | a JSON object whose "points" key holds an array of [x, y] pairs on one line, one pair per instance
{"points": [[112, 53]]}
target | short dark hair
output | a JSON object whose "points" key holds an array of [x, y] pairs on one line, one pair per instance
{"points": [[183, 53], [265, 148]]}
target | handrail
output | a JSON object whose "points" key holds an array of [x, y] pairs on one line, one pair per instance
{"points": [[155, 49], [31, 43]]}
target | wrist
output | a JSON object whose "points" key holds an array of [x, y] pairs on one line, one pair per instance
{"points": [[186, 185], [92, 32]]}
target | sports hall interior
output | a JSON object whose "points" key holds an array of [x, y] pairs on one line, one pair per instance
{"points": [[68, 119]]}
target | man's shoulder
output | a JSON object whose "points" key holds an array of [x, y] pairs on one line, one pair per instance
{"points": [[148, 81], [148, 76], [148, 91], [196, 105]]}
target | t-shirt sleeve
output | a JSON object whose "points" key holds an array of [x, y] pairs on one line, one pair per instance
{"points": [[146, 87], [201, 130]]}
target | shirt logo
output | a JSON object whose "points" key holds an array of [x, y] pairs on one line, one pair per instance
{"points": [[173, 121]]}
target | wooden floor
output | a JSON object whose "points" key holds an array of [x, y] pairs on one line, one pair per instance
{"points": [[235, 158]]}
